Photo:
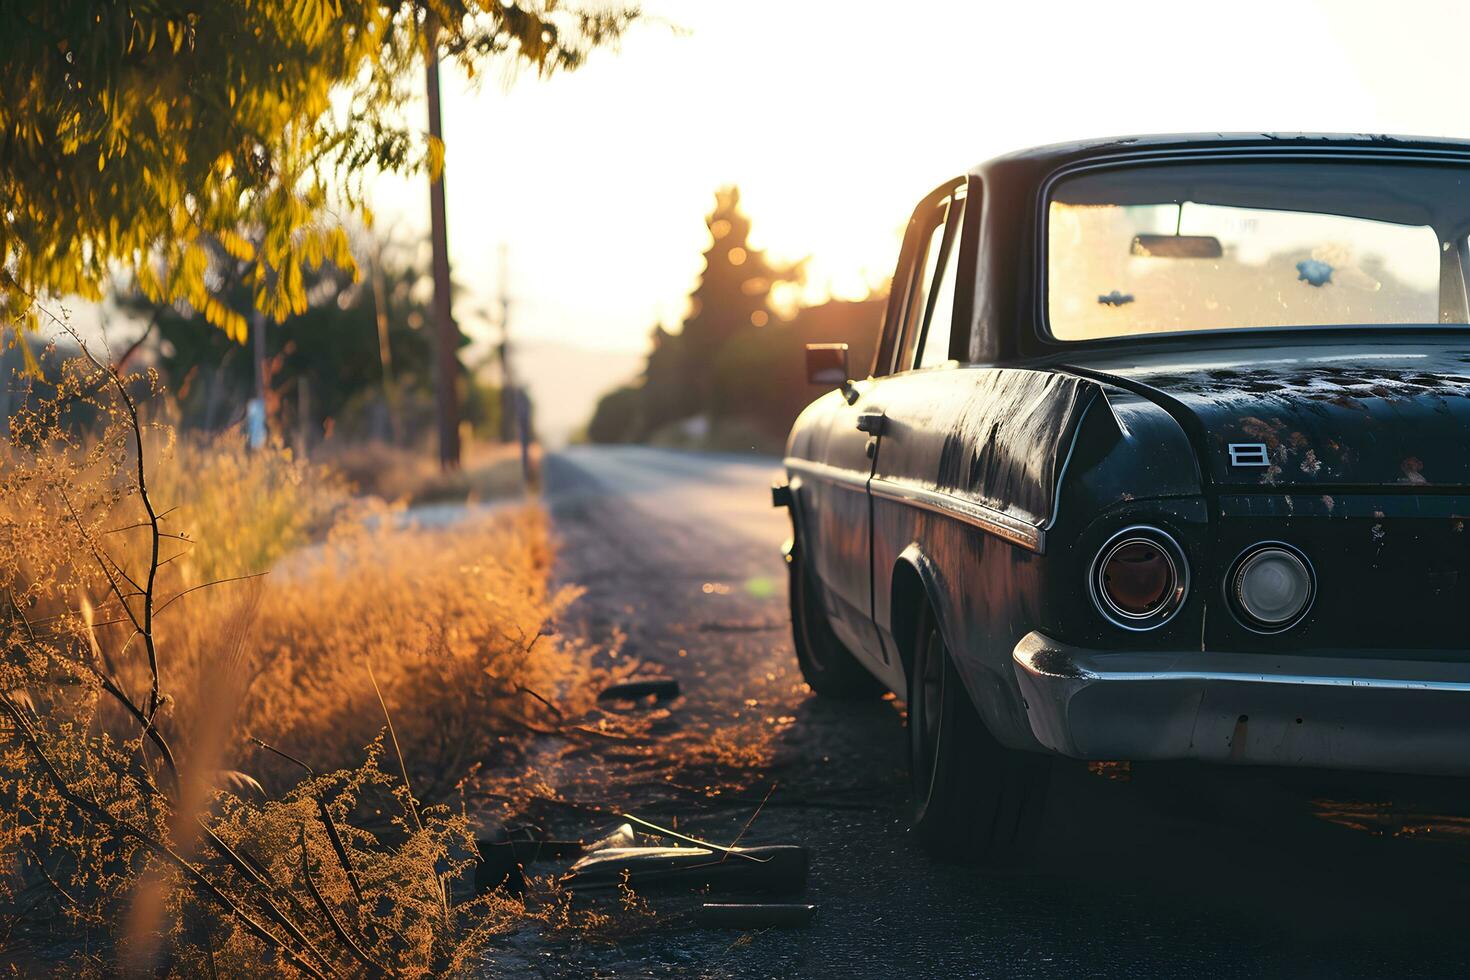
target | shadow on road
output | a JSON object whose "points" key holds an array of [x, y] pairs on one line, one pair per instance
{"points": [[1149, 870]]}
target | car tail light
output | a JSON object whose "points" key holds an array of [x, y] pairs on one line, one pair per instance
{"points": [[1139, 578], [1272, 587]]}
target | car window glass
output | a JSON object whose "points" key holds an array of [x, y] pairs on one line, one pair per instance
{"points": [[1249, 244], [927, 262], [939, 309]]}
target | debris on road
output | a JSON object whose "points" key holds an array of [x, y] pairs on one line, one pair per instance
{"points": [[699, 864], [661, 688], [620, 836], [718, 915], [503, 857], [616, 858], [779, 868]]}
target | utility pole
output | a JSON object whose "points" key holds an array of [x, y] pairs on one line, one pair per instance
{"points": [[385, 350], [446, 335], [303, 415], [7, 374], [515, 406], [507, 376]]}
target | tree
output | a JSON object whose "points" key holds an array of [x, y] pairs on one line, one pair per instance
{"points": [[135, 136], [734, 361], [331, 350], [733, 294], [617, 417], [668, 390], [768, 367]]}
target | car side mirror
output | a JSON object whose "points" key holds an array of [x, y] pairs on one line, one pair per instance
{"points": [[826, 365]]}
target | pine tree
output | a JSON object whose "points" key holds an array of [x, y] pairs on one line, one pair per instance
{"points": [[683, 377], [667, 395], [733, 294]]}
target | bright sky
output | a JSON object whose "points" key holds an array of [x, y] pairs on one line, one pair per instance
{"points": [[835, 117]]}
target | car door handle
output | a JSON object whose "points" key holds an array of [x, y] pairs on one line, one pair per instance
{"points": [[871, 423]]}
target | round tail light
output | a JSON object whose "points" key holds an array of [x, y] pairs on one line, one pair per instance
{"points": [[1139, 579], [1272, 587]]}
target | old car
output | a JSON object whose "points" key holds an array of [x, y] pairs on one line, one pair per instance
{"points": [[1164, 454]]}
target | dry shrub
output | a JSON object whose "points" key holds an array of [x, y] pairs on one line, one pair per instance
{"points": [[242, 510], [141, 646], [401, 475], [392, 473], [453, 623]]}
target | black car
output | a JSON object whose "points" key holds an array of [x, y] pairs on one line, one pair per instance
{"points": [[1164, 454]]}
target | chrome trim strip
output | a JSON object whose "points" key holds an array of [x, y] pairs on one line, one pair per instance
{"points": [[1026, 660], [1002, 525], [836, 475]]}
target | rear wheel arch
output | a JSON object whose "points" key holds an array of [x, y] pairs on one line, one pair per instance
{"points": [[917, 586], [913, 588], [975, 799]]}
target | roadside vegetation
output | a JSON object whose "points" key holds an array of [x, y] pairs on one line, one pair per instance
{"points": [[235, 699], [733, 376], [397, 474], [241, 701]]}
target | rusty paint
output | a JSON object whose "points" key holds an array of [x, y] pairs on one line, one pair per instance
{"points": [[1367, 414]]}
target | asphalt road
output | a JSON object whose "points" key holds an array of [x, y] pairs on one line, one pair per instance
{"points": [[1156, 871]]}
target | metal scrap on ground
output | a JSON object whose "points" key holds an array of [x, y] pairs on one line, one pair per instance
{"points": [[779, 868], [617, 860], [661, 688], [502, 858]]}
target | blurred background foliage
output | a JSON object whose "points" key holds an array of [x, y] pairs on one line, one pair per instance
{"points": [[329, 376], [734, 375], [166, 138]]}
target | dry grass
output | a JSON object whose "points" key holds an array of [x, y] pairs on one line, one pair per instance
{"points": [[143, 827], [455, 625], [413, 476]]}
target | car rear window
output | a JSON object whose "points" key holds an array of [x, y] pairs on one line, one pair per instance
{"points": [[1241, 244]]}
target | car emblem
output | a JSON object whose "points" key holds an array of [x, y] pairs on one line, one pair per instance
{"points": [[1248, 454]]}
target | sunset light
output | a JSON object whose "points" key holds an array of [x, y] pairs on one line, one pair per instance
{"points": [[798, 103], [800, 489]]}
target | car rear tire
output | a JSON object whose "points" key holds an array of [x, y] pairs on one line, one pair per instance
{"points": [[975, 801], [827, 666]]}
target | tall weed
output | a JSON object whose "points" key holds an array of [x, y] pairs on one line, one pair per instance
{"points": [[169, 608]]}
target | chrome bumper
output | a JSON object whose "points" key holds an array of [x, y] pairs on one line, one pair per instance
{"points": [[1259, 709]]}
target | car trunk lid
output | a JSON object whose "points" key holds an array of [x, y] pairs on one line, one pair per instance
{"points": [[1345, 416]]}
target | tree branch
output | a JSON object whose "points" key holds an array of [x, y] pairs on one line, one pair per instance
{"points": [[337, 928]]}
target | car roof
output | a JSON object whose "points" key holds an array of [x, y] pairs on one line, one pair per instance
{"points": [[1005, 302], [1041, 159]]}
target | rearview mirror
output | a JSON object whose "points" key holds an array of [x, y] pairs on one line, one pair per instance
{"points": [[1177, 246], [826, 365]]}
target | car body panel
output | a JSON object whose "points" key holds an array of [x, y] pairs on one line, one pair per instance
{"points": [[831, 486], [1345, 415], [992, 484]]}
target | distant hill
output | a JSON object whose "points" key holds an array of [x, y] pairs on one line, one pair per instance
{"points": [[565, 382]]}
